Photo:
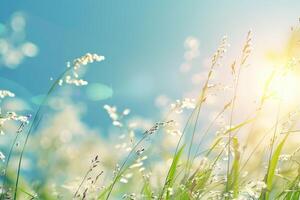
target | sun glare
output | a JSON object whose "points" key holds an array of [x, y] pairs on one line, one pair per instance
{"points": [[286, 87]]}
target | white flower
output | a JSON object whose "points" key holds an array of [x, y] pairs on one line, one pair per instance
{"points": [[136, 165], [6, 93], [126, 111], [123, 180], [180, 105], [73, 78], [2, 156], [284, 157], [12, 116]]}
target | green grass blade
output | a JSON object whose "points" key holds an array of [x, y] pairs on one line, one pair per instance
{"points": [[147, 190], [271, 169], [293, 191], [172, 172], [234, 174], [240, 125]]}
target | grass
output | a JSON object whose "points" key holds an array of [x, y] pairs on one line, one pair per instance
{"points": [[190, 169]]}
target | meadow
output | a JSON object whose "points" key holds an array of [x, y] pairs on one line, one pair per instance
{"points": [[247, 148]]}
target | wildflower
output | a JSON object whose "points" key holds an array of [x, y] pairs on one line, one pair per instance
{"points": [[115, 116], [172, 128], [12, 116], [6, 93], [117, 123], [254, 188], [142, 169], [73, 78], [284, 157], [116, 170], [287, 124], [60, 82], [77, 82], [220, 51], [180, 105], [2, 156], [247, 48], [129, 175], [143, 158], [112, 112], [140, 151], [126, 112], [157, 125], [131, 196], [123, 180], [136, 165]]}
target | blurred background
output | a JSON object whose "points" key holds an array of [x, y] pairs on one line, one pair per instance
{"points": [[143, 43]]}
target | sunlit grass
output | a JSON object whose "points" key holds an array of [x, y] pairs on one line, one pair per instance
{"points": [[244, 159]]}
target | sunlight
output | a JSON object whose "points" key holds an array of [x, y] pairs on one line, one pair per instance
{"points": [[194, 100], [285, 87], [286, 80]]}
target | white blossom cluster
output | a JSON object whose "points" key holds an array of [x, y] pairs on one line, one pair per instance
{"points": [[287, 124], [131, 196], [252, 190], [12, 116], [73, 78], [2, 156], [220, 51], [172, 128], [137, 165], [6, 93], [115, 116], [180, 105], [126, 139], [285, 157]]}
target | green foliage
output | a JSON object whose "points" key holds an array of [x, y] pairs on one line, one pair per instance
{"points": [[198, 179], [170, 179], [293, 190], [271, 168], [235, 173]]}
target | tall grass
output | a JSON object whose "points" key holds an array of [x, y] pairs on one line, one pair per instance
{"points": [[195, 171]]}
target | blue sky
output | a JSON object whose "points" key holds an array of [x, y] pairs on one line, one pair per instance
{"points": [[141, 40]]}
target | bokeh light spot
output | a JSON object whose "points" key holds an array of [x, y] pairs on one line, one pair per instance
{"points": [[98, 91]]}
